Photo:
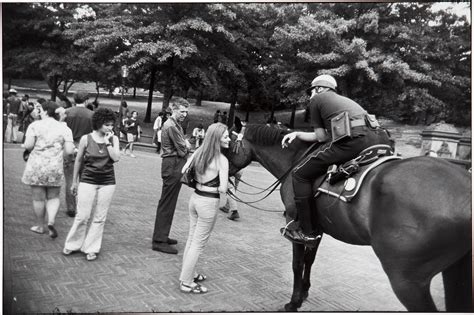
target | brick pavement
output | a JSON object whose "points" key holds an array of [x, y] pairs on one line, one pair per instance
{"points": [[247, 262]]}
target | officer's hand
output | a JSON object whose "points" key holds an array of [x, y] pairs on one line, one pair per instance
{"points": [[288, 138]]}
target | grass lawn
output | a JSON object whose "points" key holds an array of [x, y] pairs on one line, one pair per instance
{"points": [[408, 139]]}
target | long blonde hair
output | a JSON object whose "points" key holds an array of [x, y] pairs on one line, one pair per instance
{"points": [[210, 148]]}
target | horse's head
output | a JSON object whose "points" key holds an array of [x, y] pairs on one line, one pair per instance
{"points": [[240, 150], [254, 143]]}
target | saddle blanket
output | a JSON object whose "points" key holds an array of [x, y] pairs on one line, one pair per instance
{"points": [[348, 189]]}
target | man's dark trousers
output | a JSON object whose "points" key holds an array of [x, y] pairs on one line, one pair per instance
{"points": [[171, 174]]}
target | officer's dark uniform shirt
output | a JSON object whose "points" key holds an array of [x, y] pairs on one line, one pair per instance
{"points": [[329, 104]]}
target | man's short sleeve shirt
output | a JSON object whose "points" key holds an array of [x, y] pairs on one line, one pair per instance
{"points": [[323, 107], [79, 119]]}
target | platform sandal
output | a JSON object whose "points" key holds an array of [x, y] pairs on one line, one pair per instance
{"points": [[193, 288]]}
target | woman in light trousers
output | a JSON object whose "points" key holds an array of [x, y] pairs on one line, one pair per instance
{"points": [[97, 153], [211, 168]]}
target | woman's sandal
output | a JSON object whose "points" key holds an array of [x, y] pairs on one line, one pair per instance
{"points": [[91, 256], [37, 229], [195, 289], [199, 277]]}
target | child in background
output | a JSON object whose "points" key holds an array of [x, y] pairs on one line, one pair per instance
{"points": [[133, 132], [198, 135]]}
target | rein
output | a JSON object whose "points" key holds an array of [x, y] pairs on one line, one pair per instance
{"points": [[273, 186]]}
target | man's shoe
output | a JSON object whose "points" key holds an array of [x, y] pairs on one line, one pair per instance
{"points": [[164, 248], [224, 209], [233, 215], [171, 241], [72, 214]]}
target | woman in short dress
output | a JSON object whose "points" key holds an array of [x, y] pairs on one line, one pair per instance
{"points": [[211, 168], [46, 139], [96, 155]]}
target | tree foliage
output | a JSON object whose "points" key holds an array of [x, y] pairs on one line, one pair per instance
{"points": [[401, 60]]}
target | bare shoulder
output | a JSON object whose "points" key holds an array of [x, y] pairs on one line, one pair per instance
{"points": [[223, 160]]}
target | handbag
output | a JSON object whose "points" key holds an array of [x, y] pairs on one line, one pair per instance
{"points": [[189, 177]]}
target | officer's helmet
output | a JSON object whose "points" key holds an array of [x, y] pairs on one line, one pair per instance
{"points": [[324, 80]]}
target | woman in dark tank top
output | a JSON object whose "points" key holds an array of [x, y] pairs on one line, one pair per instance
{"points": [[96, 155]]}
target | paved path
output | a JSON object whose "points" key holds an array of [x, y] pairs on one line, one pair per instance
{"points": [[247, 262]]}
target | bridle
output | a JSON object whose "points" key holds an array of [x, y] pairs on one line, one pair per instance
{"points": [[235, 149]]}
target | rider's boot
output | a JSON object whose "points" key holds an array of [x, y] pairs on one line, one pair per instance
{"points": [[305, 234]]}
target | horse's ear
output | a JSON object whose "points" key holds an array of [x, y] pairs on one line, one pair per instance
{"points": [[238, 124]]}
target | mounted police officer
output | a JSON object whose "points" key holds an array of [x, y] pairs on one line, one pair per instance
{"points": [[345, 129]]}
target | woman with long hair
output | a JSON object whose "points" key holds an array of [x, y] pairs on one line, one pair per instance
{"points": [[211, 169], [46, 140]]}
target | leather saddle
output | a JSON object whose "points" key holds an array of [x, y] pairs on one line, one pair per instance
{"points": [[343, 181]]}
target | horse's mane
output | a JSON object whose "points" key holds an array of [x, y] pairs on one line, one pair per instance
{"points": [[264, 135]]}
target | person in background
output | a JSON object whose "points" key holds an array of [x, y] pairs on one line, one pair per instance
{"points": [[231, 205], [166, 115], [46, 140], [13, 110], [24, 118], [133, 132], [211, 169], [175, 151], [198, 135], [224, 118], [157, 131], [96, 155], [6, 109], [79, 119], [125, 115], [217, 116]]}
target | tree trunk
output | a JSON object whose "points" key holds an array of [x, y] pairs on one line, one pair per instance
{"points": [[9, 83], [134, 91], [167, 93], [150, 93], [292, 119], [199, 98], [97, 90], [272, 115], [233, 102], [53, 86], [306, 114]]}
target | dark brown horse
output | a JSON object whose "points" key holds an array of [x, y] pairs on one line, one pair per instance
{"points": [[415, 213]]}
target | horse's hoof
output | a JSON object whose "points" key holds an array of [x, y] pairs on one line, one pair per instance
{"points": [[305, 295], [289, 307]]}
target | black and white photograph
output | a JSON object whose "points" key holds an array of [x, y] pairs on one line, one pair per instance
{"points": [[234, 157]]}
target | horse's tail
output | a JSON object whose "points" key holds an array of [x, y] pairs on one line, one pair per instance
{"points": [[457, 280]]}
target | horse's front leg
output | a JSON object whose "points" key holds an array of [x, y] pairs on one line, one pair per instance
{"points": [[309, 257], [298, 268]]}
